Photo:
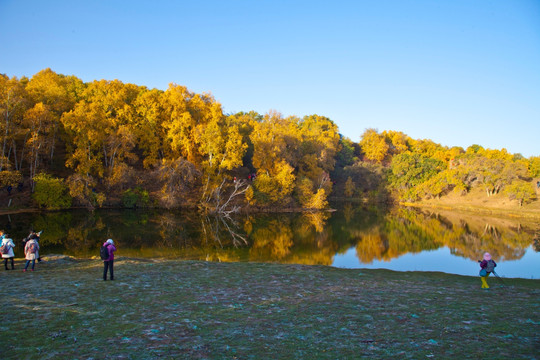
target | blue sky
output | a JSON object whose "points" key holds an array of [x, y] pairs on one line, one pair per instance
{"points": [[459, 72]]}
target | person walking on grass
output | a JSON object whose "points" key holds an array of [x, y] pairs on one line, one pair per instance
{"points": [[108, 264], [487, 266], [31, 251], [6, 248]]}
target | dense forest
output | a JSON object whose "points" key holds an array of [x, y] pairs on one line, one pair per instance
{"points": [[105, 143]]}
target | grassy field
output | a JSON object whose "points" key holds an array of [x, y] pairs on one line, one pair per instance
{"points": [[167, 309]]}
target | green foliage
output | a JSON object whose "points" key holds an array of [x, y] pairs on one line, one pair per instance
{"points": [[437, 186], [367, 176], [133, 198], [522, 191], [50, 192], [348, 153], [411, 169], [493, 172]]}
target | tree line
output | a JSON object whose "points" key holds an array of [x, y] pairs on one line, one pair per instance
{"points": [[106, 143]]}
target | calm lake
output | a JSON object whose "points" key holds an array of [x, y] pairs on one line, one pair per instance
{"points": [[400, 239]]}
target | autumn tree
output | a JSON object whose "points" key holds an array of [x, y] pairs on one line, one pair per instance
{"points": [[534, 166], [374, 145], [41, 123], [522, 191], [59, 94], [100, 129], [398, 142], [147, 126], [275, 188], [319, 144], [411, 169], [275, 155], [13, 104]]}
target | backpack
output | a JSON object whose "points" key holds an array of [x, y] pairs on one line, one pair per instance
{"points": [[32, 248], [104, 252], [4, 249], [490, 266]]}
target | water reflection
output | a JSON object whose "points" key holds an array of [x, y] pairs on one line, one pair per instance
{"points": [[375, 235]]}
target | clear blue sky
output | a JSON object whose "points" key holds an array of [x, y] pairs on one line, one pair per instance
{"points": [[459, 72]]}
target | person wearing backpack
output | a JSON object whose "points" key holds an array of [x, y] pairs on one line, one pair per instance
{"points": [[35, 236], [6, 248], [108, 264], [487, 266], [31, 251]]}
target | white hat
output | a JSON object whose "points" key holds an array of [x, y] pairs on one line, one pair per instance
{"points": [[110, 241]]}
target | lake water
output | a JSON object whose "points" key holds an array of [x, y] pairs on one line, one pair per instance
{"points": [[400, 239]]}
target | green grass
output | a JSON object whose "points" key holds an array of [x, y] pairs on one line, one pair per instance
{"points": [[166, 309]]}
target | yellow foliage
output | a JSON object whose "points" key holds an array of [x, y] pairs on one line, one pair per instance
{"points": [[250, 195], [398, 140], [53, 90], [9, 177], [276, 188], [285, 177], [374, 145], [318, 200]]}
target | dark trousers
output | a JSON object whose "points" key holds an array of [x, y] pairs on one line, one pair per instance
{"points": [[109, 264], [28, 263], [6, 261]]}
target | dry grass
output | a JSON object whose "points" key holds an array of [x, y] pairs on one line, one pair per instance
{"points": [[197, 310]]}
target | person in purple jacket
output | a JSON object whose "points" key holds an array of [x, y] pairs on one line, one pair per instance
{"points": [[487, 267], [109, 263]]}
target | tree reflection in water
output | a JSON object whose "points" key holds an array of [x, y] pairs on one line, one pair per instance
{"points": [[303, 238]]}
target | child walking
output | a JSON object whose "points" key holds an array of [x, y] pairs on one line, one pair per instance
{"points": [[487, 266]]}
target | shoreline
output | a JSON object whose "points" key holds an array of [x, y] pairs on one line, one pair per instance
{"points": [[61, 258], [496, 212], [244, 211], [520, 213]]}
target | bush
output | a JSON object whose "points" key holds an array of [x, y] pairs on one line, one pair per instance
{"points": [[50, 192], [133, 198]]}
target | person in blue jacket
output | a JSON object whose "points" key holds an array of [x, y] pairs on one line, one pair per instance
{"points": [[487, 266]]}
